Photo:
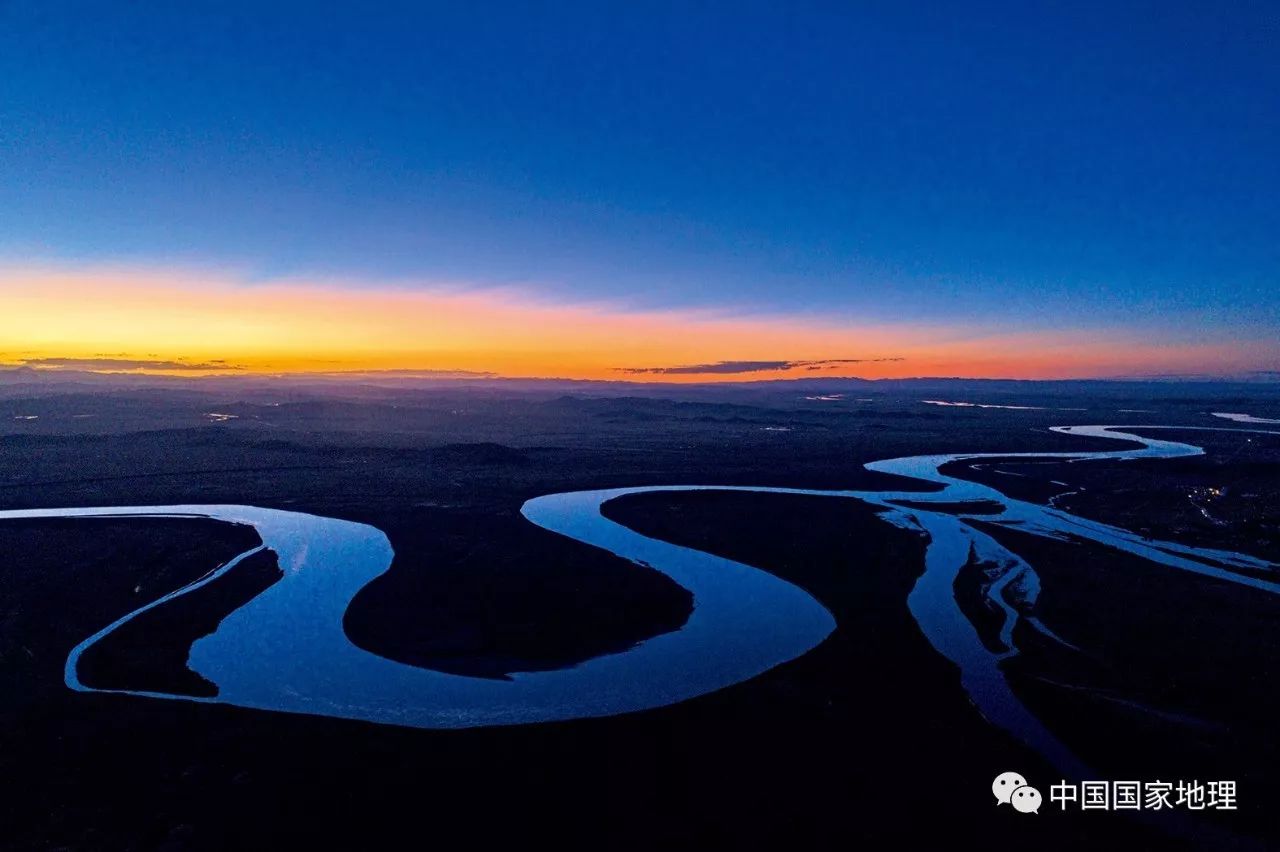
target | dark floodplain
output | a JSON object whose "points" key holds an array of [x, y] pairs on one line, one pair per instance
{"points": [[870, 736]]}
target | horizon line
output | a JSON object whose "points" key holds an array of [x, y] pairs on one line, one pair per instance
{"points": [[462, 377]]}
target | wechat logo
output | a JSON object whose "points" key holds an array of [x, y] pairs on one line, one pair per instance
{"points": [[1010, 788]]}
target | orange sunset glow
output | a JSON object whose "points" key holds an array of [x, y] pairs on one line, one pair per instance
{"points": [[196, 323]]}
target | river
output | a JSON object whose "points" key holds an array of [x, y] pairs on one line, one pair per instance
{"points": [[285, 650]]}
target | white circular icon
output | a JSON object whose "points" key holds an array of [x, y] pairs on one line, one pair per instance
{"points": [[1026, 800], [1005, 784]]}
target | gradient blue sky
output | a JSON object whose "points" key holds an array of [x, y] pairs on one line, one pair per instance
{"points": [[1109, 165]]}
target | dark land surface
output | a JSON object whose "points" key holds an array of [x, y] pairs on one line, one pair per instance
{"points": [[867, 738], [475, 606], [114, 564], [1224, 499], [149, 652], [1172, 675]]}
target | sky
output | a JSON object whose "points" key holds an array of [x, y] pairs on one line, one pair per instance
{"points": [[651, 191]]}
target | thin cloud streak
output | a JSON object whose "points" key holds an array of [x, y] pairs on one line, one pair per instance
{"points": [[737, 367], [127, 364]]}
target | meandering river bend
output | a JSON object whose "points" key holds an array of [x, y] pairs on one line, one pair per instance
{"points": [[285, 650]]}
